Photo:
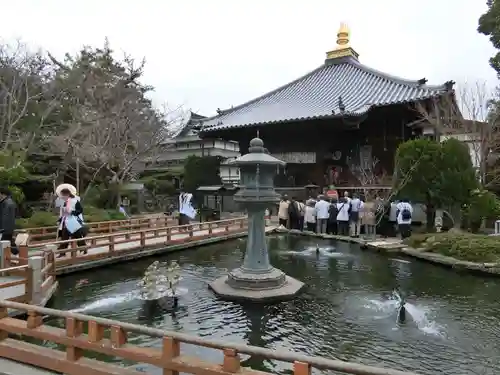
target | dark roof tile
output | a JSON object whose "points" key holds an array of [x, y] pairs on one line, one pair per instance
{"points": [[316, 95]]}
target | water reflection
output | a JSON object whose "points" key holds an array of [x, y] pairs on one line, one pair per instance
{"points": [[343, 313]]}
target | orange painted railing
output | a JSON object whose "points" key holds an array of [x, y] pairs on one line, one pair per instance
{"points": [[19, 265], [48, 234], [83, 333], [129, 242], [25, 278]]}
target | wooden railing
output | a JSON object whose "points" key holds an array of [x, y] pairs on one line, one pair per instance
{"points": [[38, 274], [123, 243], [23, 278], [48, 234], [83, 333]]}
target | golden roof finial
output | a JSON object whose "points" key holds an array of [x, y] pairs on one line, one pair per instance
{"points": [[343, 48], [343, 36]]}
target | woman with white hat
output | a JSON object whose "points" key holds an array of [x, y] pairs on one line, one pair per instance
{"points": [[70, 217]]}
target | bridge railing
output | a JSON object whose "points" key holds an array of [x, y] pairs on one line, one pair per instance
{"points": [[20, 288], [36, 270], [83, 334], [48, 234], [122, 243]]}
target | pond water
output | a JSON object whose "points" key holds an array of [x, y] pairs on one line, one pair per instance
{"points": [[343, 313]]}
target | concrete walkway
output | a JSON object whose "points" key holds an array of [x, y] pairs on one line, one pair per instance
{"points": [[11, 291], [8, 367]]}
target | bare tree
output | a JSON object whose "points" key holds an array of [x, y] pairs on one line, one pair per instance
{"points": [[469, 115], [27, 98], [113, 126]]}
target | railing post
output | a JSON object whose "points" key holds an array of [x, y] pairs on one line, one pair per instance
{"points": [[96, 331], [74, 328], [51, 258], [301, 368], [5, 254], [35, 266], [171, 350], [143, 239], [190, 229], [111, 243], [118, 336], [3, 314], [231, 361], [34, 320], [242, 223], [210, 228]]}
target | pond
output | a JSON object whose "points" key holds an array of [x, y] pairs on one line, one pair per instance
{"points": [[343, 313]]}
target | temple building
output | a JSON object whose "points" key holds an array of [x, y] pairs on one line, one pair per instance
{"points": [[338, 125], [186, 142]]}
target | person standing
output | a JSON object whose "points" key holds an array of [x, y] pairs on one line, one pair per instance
{"points": [[121, 209], [393, 216], [70, 221], [356, 206], [302, 211], [346, 197], [293, 214], [332, 226], [322, 213], [310, 216], [8, 218], [186, 209], [283, 211], [343, 217], [404, 216]]}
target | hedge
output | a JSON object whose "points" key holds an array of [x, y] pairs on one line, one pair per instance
{"points": [[47, 219], [460, 245]]}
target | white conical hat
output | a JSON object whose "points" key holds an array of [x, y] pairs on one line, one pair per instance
{"points": [[62, 187]]}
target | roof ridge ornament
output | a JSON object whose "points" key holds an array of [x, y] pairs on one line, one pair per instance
{"points": [[343, 48]]}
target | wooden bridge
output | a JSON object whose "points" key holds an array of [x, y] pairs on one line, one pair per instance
{"points": [[73, 349], [84, 335]]}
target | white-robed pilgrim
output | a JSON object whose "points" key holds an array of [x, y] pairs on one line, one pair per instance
{"points": [[66, 208], [185, 205]]}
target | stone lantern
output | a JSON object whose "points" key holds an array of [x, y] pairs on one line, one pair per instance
{"points": [[257, 279]]}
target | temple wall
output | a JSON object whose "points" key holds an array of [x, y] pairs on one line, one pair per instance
{"points": [[328, 151]]}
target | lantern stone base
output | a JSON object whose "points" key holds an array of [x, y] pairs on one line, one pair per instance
{"points": [[271, 286]]}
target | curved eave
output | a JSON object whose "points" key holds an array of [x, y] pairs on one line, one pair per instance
{"points": [[366, 110]]}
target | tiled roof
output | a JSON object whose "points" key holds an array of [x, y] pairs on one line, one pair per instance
{"points": [[317, 95], [190, 122]]}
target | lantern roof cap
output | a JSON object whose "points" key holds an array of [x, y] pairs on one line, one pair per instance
{"points": [[257, 154]]}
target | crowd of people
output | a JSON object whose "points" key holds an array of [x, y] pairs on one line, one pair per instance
{"points": [[346, 216]]}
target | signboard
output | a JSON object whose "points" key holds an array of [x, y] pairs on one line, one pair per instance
{"points": [[296, 157], [332, 194]]}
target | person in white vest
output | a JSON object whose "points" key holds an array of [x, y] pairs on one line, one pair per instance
{"points": [[322, 214], [343, 217], [404, 216], [186, 209], [356, 207], [70, 220]]}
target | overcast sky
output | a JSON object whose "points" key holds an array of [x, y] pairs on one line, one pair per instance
{"points": [[213, 54]]}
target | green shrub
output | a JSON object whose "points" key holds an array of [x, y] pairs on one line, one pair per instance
{"points": [[48, 219], [482, 205], [463, 246], [38, 219]]}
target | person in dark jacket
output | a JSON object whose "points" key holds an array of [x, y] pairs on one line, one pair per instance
{"points": [[8, 217], [293, 214]]}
